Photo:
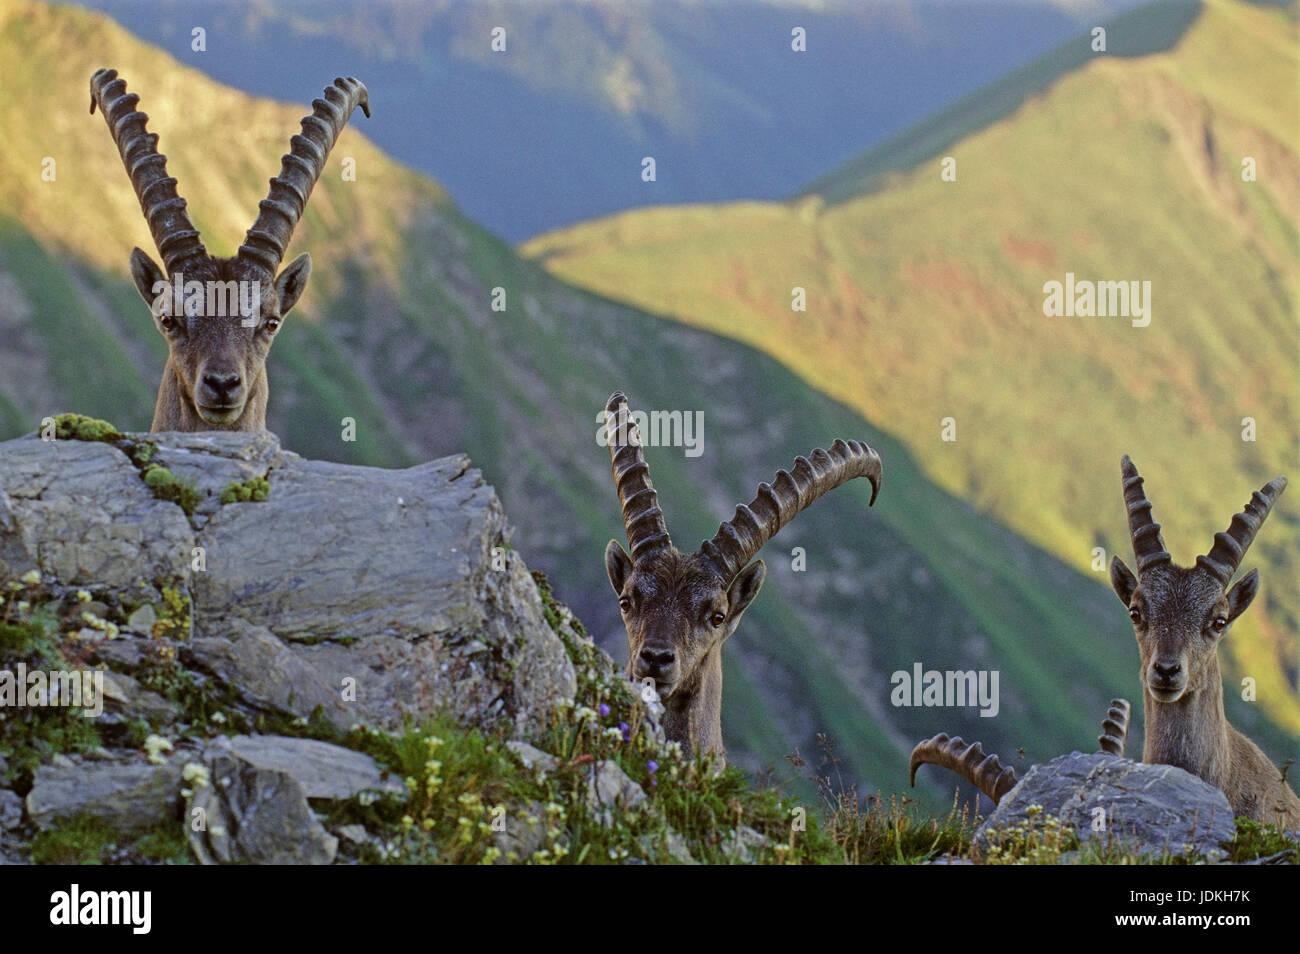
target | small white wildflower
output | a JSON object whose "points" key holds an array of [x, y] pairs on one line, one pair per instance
{"points": [[83, 596], [218, 718], [155, 745], [31, 578], [196, 773]]}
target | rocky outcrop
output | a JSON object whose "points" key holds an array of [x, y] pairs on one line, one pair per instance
{"points": [[358, 593], [1149, 809]]}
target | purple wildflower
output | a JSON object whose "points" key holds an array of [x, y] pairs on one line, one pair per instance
{"points": [[627, 733], [653, 766], [603, 709]]}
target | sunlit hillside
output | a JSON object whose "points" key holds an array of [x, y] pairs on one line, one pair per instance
{"points": [[925, 300]]}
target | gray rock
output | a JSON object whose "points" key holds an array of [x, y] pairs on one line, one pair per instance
{"points": [[142, 620], [1151, 809], [356, 834], [125, 696], [521, 837], [609, 790], [323, 770], [266, 673], [378, 580], [11, 810], [251, 815], [80, 512], [744, 843], [130, 794], [533, 757]]}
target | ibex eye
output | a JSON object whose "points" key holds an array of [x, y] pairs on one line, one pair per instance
{"points": [[1135, 616], [272, 324], [168, 323], [625, 604], [717, 619], [1220, 623]]}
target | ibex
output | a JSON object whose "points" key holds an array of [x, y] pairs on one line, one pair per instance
{"points": [[988, 774], [1180, 615], [215, 376], [678, 608]]}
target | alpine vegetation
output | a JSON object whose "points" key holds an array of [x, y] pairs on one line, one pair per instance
{"points": [[219, 316], [679, 608], [1180, 615]]}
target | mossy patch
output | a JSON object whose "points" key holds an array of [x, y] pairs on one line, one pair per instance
{"points": [[255, 489]]}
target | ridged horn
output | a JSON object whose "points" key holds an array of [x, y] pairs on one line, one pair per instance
{"points": [[281, 210], [777, 503], [985, 772], [1231, 545], [647, 533], [173, 233], [1114, 728], [1148, 547]]}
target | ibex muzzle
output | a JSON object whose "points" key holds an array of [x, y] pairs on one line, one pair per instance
{"points": [[678, 608], [219, 315]]}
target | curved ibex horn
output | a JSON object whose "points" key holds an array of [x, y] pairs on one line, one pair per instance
{"points": [[267, 240], [777, 503], [1148, 547], [969, 761], [1231, 545], [173, 232], [647, 534], [1114, 728]]}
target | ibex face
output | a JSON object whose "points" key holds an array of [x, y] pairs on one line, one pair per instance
{"points": [[218, 361], [1181, 614], [678, 608], [219, 315]]}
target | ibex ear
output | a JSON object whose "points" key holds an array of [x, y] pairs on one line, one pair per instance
{"points": [[1241, 595], [742, 591], [291, 282], [146, 276], [1122, 580], [618, 565]]}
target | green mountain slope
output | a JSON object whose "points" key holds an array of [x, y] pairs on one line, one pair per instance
{"points": [[925, 301], [397, 331]]}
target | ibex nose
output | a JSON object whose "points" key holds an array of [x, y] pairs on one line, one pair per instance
{"points": [[223, 386], [1167, 671], [658, 658]]}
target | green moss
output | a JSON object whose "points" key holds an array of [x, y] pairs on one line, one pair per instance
{"points": [[85, 840], [254, 489], [167, 486], [168, 844], [78, 427], [78, 841]]}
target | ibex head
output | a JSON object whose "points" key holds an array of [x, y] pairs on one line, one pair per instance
{"points": [[219, 336], [1180, 614], [678, 607]]}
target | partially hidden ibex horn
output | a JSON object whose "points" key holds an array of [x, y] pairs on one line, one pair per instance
{"points": [[985, 772], [1114, 728]]}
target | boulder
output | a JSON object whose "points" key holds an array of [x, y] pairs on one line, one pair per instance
{"points": [[1151, 809]]}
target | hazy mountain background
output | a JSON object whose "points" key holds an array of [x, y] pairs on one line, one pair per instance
{"points": [[976, 554], [553, 131]]}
